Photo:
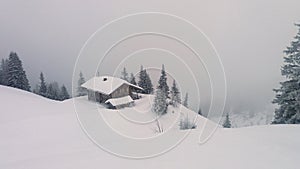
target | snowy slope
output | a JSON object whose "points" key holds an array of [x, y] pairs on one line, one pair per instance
{"points": [[39, 133]]}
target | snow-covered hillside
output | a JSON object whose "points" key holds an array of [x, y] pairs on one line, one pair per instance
{"points": [[39, 133]]}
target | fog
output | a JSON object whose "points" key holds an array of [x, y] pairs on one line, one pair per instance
{"points": [[248, 35]]}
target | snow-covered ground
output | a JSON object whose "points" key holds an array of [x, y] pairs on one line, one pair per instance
{"points": [[39, 133]]}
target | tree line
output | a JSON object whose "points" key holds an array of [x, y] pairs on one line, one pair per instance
{"points": [[51, 90], [13, 74], [163, 95]]}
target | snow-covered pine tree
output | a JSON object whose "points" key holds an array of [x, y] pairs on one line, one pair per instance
{"points": [[4, 72], [64, 93], [124, 75], [1, 73], [160, 103], [1, 77], [288, 95], [175, 95], [141, 81], [186, 100], [149, 86], [81, 91], [43, 86], [132, 79], [227, 122], [53, 91], [162, 83], [16, 76], [145, 81]]}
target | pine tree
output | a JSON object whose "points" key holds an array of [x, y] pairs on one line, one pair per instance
{"points": [[142, 79], [160, 103], [1, 77], [145, 81], [149, 86], [43, 86], [185, 102], [53, 91], [288, 95], [16, 75], [81, 91], [1, 73], [162, 83], [175, 95], [64, 93], [227, 123], [4, 72], [132, 79], [124, 75]]}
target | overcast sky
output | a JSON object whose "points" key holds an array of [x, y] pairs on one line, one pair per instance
{"points": [[249, 36]]}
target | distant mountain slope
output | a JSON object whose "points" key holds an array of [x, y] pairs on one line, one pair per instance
{"points": [[39, 133]]}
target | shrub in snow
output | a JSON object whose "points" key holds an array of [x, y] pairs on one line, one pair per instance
{"points": [[185, 123], [159, 127]]}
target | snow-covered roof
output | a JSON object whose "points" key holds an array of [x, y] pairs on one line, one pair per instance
{"points": [[106, 84], [120, 100]]}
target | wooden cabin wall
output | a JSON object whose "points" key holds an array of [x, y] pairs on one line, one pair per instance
{"points": [[122, 91]]}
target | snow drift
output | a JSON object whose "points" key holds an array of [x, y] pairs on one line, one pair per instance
{"points": [[40, 133]]}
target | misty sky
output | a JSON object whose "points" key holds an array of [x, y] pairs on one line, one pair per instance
{"points": [[248, 35]]}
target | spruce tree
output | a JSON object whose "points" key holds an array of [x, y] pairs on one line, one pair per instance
{"points": [[124, 75], [288, 95], [145, 81], [175, 95], [64, 93], [142, 79], [132, 79], [185, 102], [53, 91], [1, 74], [160, 105], [149, 86], [43, 86], [81, 91], [227, 122], [162, 83], [16, 74], [4, 72]]}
